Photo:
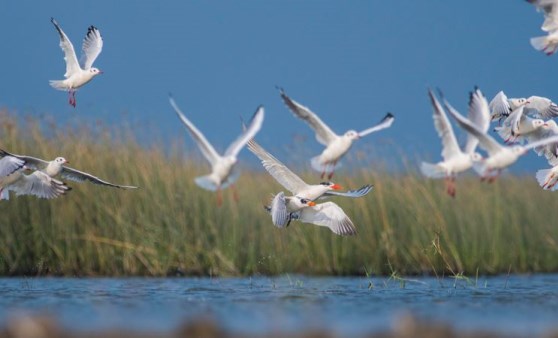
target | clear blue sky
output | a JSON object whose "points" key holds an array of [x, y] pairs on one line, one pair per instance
{"points": [[349, 61]]}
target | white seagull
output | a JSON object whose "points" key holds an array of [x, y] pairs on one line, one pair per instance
{"points": [[517, 126], [38, 183], [284, 209], [454, 159], [500, 156], [336, 145], [223, 170], [294, 183], [57, 167], [548, 43], [78, 75], [501, 106]]}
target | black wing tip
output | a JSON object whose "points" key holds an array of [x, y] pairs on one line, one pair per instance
{"points": [[280, 89], [389, 115]]}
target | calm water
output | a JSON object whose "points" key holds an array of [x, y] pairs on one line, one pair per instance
{"points": [[346, 306]]}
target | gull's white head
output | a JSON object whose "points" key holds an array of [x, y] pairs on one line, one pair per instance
{"points": [[331, 185], [538, 123], [95, 71], [306, 202], [352, 134], [518, 102], [54, 167]]}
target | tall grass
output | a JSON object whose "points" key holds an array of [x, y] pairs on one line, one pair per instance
{"points": [[170, 226]]}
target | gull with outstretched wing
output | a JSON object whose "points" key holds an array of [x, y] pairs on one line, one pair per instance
{"points": [[336, 145], [78, 74]]}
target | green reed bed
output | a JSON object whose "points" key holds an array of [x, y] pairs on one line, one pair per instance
{"points": [[407, 224]]}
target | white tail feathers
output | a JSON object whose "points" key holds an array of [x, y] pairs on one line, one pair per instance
{"points": [[432, 170], [206, 182], [547, 179], [58, 84], [322, 167], [4, 194], [540, 42]]}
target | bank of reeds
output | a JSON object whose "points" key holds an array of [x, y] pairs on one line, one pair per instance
{"points": [[169, 226]]}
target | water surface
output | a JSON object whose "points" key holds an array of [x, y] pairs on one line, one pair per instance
{"points": [[345, 306]]}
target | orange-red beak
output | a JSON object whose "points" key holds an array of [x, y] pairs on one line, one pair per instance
{"points": [[67, 161], [336, 187], [311, 203]]}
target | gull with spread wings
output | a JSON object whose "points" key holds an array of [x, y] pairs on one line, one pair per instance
{"points": [[295, 184], [57, 167], [500, 156], [78, 75], [454, 159], [38, 183], [285, 209], [336, 145], [223, 170]]}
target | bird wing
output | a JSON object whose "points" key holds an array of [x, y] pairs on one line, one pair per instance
{"points": [[330, 215], [10, 164], [72, 65], [514, 119], [247, 133], [39, 184], [450, 148], [539, 143], [30, 161], [479, 114], [276, 169], [91, 48], [499, 106], [80, 176], [324, 134], [486, 141], [384, 123], [541, 108], [279, 213], [352, 193], [205, 147]]}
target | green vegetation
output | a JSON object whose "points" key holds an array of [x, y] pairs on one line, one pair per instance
{"points": [[407, 224]]}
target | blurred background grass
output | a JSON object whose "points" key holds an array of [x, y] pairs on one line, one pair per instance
{"points": [[407, 224]]}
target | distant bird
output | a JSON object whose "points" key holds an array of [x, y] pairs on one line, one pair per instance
{"points": [[500, 156], [76, 75], [223, 170], [284, 209], [57, 167], [336, 146], [548, 43], [454, 159], [38, 183], [295, 184]]}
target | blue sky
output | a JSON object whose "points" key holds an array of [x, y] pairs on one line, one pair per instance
{"points": [[349, 61]]}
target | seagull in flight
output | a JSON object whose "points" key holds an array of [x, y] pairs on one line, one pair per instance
{"points": [[500, 156], [223, 170], [336, 145], [292, 182], [78, 74], [57, 167], [12, 178], [454, 159], [285, 209]]}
